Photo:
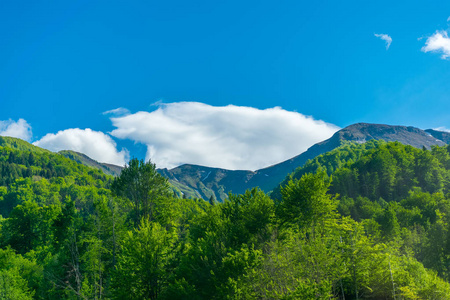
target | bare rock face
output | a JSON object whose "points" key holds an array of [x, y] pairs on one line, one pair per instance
{"points": [[440, 135]]}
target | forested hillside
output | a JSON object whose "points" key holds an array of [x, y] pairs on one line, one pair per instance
{"points": [[364, 221]]}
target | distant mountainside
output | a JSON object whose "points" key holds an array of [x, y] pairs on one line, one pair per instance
{"points": [[440, 135], [87, 161], [204, 182]]}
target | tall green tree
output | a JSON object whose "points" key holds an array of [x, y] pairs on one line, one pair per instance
{"points": [[305, 200], [143, 186]]}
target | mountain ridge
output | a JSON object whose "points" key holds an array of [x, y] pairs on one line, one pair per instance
{"points": [[267, 178], [206, 182], [82, 158]]}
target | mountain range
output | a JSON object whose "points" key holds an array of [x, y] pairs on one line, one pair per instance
{"points": [[206, 182]]}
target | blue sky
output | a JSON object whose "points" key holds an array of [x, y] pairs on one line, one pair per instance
{"points": [[64, 63]]}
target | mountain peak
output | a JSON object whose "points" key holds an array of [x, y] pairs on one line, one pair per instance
{"points": [[408, 135]]}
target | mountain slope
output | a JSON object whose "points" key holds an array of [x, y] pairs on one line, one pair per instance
{"points": [[220, 182], [21, 145], [440, 135], [360, 133], [87, 161], [204, 182]]}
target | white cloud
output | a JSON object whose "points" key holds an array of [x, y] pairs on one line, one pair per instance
{"points": [[20, 129], [438, 42], [442, 128], [385, 38], [94, 144], [231, 137], [117, 112]]}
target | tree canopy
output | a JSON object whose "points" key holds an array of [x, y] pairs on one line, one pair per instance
{"points": [[364, 221]]}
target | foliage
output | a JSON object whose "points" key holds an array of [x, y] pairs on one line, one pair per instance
{"points": [[305, 201], [143, 263], [143, 186], [364, 221]]}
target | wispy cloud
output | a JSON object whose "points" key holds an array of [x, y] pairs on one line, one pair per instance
{"points": [[442, 128], [117, 112], [439, 42], [20, 129], [231, 137], [385, 38], [94, 144]]}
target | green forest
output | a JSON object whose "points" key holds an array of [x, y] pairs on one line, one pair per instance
{"points": [[364, 221]]}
